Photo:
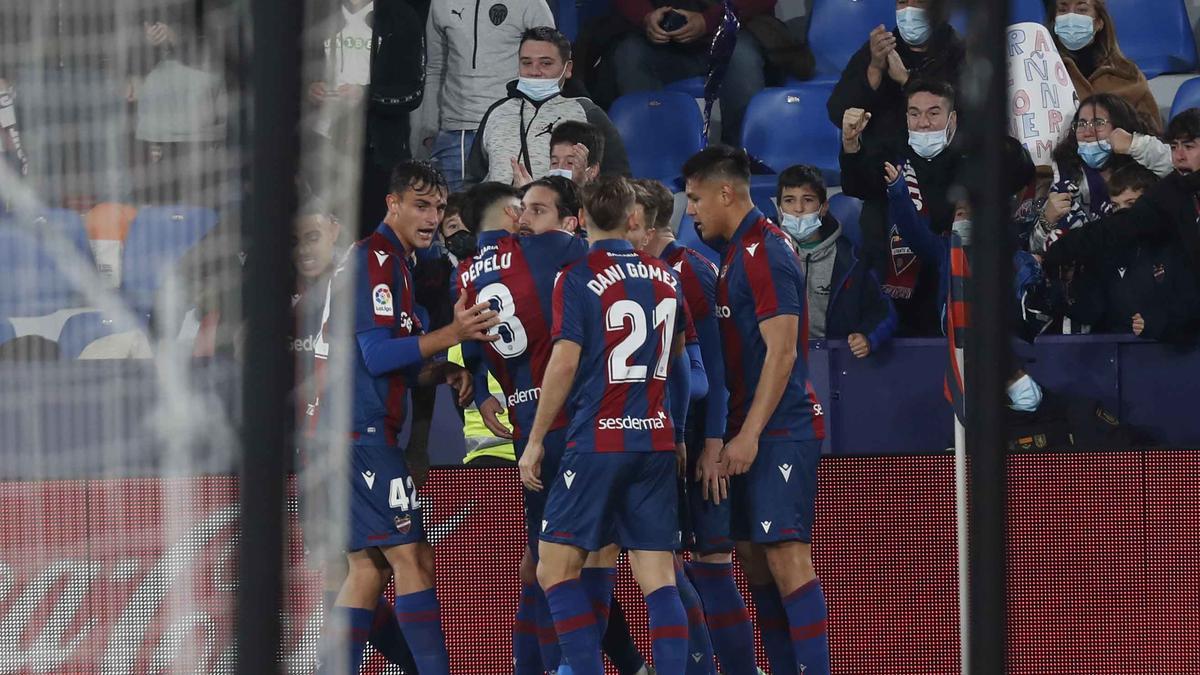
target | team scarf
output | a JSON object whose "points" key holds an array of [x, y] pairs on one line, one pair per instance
{"points": [[958, 320], [10, 135], [905, 266]]}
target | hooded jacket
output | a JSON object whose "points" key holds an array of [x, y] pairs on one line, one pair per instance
{"points": [[1123, 79], [500, 136]]}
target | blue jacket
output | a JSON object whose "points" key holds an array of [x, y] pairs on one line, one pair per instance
{"points": [[856, 305]]}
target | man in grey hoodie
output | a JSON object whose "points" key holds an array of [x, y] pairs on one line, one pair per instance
{"points": [[472, 53]]}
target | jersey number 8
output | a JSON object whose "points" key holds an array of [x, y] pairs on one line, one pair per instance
{"points": [[629, 313], [513, 342]]}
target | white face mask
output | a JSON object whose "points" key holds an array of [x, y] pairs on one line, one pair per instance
{"points": [[541, 88], [801, 227], [913, 23], [1024, 395], [929, 144], [562, 173], [963, 229]]}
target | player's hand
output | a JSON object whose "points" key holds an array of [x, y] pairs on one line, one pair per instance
{"points": [[316, 92], [654, 32], [714, 486], [695, 28], [489, 411], [738, 454], [521, 177], [1058, 204], [890, 173], [896, 68], [1139, 324], [1121, 141], [530, 465], [473, 323], [882, 44], [859, 345], [351, 93], [681, 460], [460, 380], [854, 121]]}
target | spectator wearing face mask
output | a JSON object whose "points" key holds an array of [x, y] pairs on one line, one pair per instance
{"points": [[515, 132], [1087, 40], [1108, 135], [1145, 289], [876, 76], [576, 152], [1038, 419], [844, 299]]}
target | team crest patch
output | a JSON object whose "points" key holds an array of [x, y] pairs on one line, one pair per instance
{"points": [[382, 298], [403, 524], [498, 13]]}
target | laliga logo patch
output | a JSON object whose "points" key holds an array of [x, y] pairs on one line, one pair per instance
{"points": [[403, 524], [382, 297], [568, 478]]}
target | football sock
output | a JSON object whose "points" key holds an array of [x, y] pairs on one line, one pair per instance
{"points": [[668, 630], [527, 659], [773, 623], [807, 616], [728, 621], [575, 624], [547, 638], [420, 618], [358, 627], [618, 645], [700, 651], [598, 583]]}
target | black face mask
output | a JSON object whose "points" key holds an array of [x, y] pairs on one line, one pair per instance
{"points": [[461, 244]]}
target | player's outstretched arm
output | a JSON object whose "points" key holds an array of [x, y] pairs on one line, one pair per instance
{"points": [[556, 386], [779, 333]]}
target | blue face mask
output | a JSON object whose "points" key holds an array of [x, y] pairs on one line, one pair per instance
{"points": [[1024, 395], [801, 227], [913, 23], [1096, 153], [540, 88], [1075, 31], [562, 173]]}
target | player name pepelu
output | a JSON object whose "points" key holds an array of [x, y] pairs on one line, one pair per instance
{"points": [[622, 271], [493, 263]]}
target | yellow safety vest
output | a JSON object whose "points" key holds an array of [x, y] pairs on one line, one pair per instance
{"points": [[481, 442]]}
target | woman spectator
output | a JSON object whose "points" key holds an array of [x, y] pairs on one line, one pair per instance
{"points": [[1108, 134], [1087, 40]]}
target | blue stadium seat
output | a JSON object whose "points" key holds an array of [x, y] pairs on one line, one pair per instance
{"points": [[789, 125], [762, 191], [67, 224], [566, 18], [661, 129], [839, 27], [688, 237], [81, 330], [158, 238], [847, 210], [1156, 35], [33, 280], [7, 332], [1188, 96], [692, 86]]}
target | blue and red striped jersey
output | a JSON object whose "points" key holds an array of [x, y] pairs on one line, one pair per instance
{"points": [[383, 299], [516, 275], [624, 309], [760, 278], [699, 278]]}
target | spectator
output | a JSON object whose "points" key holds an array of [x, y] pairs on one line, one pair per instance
{"points": [[455, 236], [671, 43], [1145, 289], [876, 76], [1087, 40], [470, 63], [1108, 135], [576, 151], [844, 299], [516, 130]]}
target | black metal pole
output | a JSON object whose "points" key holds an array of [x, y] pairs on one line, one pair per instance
{"points": [[268, 416], [985, 94]]}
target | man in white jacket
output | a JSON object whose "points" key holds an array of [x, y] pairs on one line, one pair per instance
{"points": [[472, 50]]}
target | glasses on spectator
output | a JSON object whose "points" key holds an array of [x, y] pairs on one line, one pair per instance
{"points": [[1098, 123]]}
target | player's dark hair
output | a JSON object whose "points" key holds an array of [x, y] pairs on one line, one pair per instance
{"points": [[1131, 177], [481, 198], [1185, 126], [573, 131], [664, 201], [418, 176], [720, 162], [548, 34], [608, 201], [802, 175], [567, 201], [936, 87]]}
